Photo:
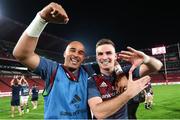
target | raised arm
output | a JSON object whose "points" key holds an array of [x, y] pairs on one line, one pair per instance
{"points": [[24, 50], [103, 109], [147, 63], [12, 81], [23, 79]]}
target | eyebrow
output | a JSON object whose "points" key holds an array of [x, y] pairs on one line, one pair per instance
{"points": [[99, 52], [108, 52], [79, 50], [72, 48]]}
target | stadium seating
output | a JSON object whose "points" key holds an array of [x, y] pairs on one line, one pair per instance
{"points": [[6, 87], [160, 78]]}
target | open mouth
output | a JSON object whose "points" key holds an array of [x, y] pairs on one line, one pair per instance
{"points": [[105, 62], [74, 61]]}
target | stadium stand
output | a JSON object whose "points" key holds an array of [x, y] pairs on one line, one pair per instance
{"points": [[9, 66], [5, 83], [171, 60], [4, 86]]}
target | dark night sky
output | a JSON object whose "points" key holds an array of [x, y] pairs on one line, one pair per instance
{"points": [[140, 24]]}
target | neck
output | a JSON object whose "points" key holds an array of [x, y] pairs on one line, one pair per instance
{"points": [[71, 69], [107, 72]]}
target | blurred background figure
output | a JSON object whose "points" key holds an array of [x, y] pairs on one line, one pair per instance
{"points": [[133, 104], [24, 94], [15, 99], [34, 98], [148, 97]]}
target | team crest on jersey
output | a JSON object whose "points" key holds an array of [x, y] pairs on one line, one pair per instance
{"points": [[106, 88]]}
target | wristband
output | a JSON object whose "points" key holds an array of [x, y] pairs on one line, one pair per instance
{"points": [[36, 27], [118, 70]]}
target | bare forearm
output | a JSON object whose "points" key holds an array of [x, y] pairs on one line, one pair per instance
{"points": [[12, 81], [108, 108], [103, 109], [25, 46], [26, 81], [24, 51], [152, 66]]}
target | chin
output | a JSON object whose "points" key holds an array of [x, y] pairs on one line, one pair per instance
{"points": [[75, 66], [106, 67]]}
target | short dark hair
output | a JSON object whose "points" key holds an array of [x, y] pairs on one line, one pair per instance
{"points": [[105, 41]]}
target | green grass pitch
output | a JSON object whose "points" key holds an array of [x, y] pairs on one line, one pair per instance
{"points": [[166, 106]]}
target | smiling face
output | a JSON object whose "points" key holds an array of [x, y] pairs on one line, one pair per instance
{"points": [[106, 57], [74, 55]]}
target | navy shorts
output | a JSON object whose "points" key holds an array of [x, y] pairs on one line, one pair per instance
{"points": [[15, 102], [34, 98]]}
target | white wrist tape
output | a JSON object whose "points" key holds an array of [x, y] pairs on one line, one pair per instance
{"points": [[118, 70], [36, 27], [146, 58]]}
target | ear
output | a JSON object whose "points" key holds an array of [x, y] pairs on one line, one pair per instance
{"points": [[64, 54], [116, 56], [96, 57], [96, 54]]}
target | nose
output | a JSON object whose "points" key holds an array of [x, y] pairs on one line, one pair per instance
{"points": [[104, 56], [76, 54]]}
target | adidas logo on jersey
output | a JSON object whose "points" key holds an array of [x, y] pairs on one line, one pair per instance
{"points": [[75, 99], [103, 84]]}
